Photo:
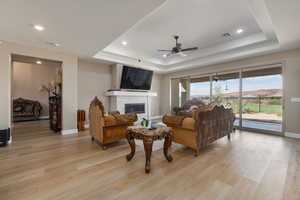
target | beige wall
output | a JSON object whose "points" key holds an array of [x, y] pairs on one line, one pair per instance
{"points": [[70, 70], [93, 80], [291, 76], [96, 78], [28, 79], [155, 101]]}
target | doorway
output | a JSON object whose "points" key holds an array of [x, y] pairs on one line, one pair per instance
{"points": [[36, 84]]}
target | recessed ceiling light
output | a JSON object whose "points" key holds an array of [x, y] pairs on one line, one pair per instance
{"points": [[239, 31], [124, 43], [38, 27], [165, 55], [38, 62]]}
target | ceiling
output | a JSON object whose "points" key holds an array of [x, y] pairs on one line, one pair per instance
{"points": [[198, 23], [97, 28], [267, 25], [80, 27]]}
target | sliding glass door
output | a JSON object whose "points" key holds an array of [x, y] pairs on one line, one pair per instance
{"points": [[262, 106], [200, 89], [254, 94]]}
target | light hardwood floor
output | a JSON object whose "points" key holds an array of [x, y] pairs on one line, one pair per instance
{"points": [[40, 164]]}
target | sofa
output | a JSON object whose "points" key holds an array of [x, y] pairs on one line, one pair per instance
{"points": [[108, 128], [204, 126], [25, 109]]}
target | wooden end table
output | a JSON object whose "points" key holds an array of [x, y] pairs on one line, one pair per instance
{"points": [[148, 136]]}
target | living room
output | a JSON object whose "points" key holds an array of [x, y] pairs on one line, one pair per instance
{"points": [[174, 106]]}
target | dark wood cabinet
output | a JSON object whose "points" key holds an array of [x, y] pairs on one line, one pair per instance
{"points": [[55, 112]]}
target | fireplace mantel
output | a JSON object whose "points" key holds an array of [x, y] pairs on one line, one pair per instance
{"points": [[127, 93]]}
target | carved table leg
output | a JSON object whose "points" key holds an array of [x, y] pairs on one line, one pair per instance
{"points": [[148, 142], [167, 145], [132, 146]]}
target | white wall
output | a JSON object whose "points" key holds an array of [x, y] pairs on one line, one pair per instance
{"points": [[93, 80], [155, 101], [291, 81], [70, 70]]}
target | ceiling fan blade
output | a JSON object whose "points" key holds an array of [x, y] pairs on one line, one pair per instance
{"points": [[164, 50], [190, 49]]}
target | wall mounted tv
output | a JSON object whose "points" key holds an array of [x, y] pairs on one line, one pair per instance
{"points": [[136, 78]]}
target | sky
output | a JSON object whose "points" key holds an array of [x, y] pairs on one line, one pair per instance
{"points": [[249, 84]]}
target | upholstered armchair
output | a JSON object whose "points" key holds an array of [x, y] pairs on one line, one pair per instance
{"points": [[204, 126], [108, 128]]}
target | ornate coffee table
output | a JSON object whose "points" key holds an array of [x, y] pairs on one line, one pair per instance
{"points": [[148, 136]]}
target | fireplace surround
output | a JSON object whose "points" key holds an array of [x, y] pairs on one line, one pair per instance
{"points": [[138, 102]]}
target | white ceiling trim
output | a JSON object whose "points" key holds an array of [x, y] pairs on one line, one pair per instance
{"points": [[255, 44], [252, 50], [252, 39], [261, 14], [126, 60]]}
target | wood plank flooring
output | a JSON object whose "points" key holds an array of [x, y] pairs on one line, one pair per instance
{"points": [[42, 165]]}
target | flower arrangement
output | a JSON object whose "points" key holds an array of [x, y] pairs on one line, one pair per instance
{"points": [[54, 87], [145, 122]]}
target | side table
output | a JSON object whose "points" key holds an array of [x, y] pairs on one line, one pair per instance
{"points": [[149, 136]]}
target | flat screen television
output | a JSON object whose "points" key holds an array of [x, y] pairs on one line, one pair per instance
{"points": [[136, 78]]}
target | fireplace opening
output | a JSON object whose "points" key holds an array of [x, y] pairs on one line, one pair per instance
{"points": [[138, 108]]}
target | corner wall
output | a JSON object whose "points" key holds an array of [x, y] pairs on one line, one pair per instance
{"points": [[291, 81], [95, 78]]}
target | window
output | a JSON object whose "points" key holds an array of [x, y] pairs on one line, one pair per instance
{"points": [[200, 89]]}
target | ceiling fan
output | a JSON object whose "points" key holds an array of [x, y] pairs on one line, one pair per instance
{"points": [[177, 49]]}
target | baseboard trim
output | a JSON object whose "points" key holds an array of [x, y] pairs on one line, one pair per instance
{"points": [[292, 135], [69, 131]]}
